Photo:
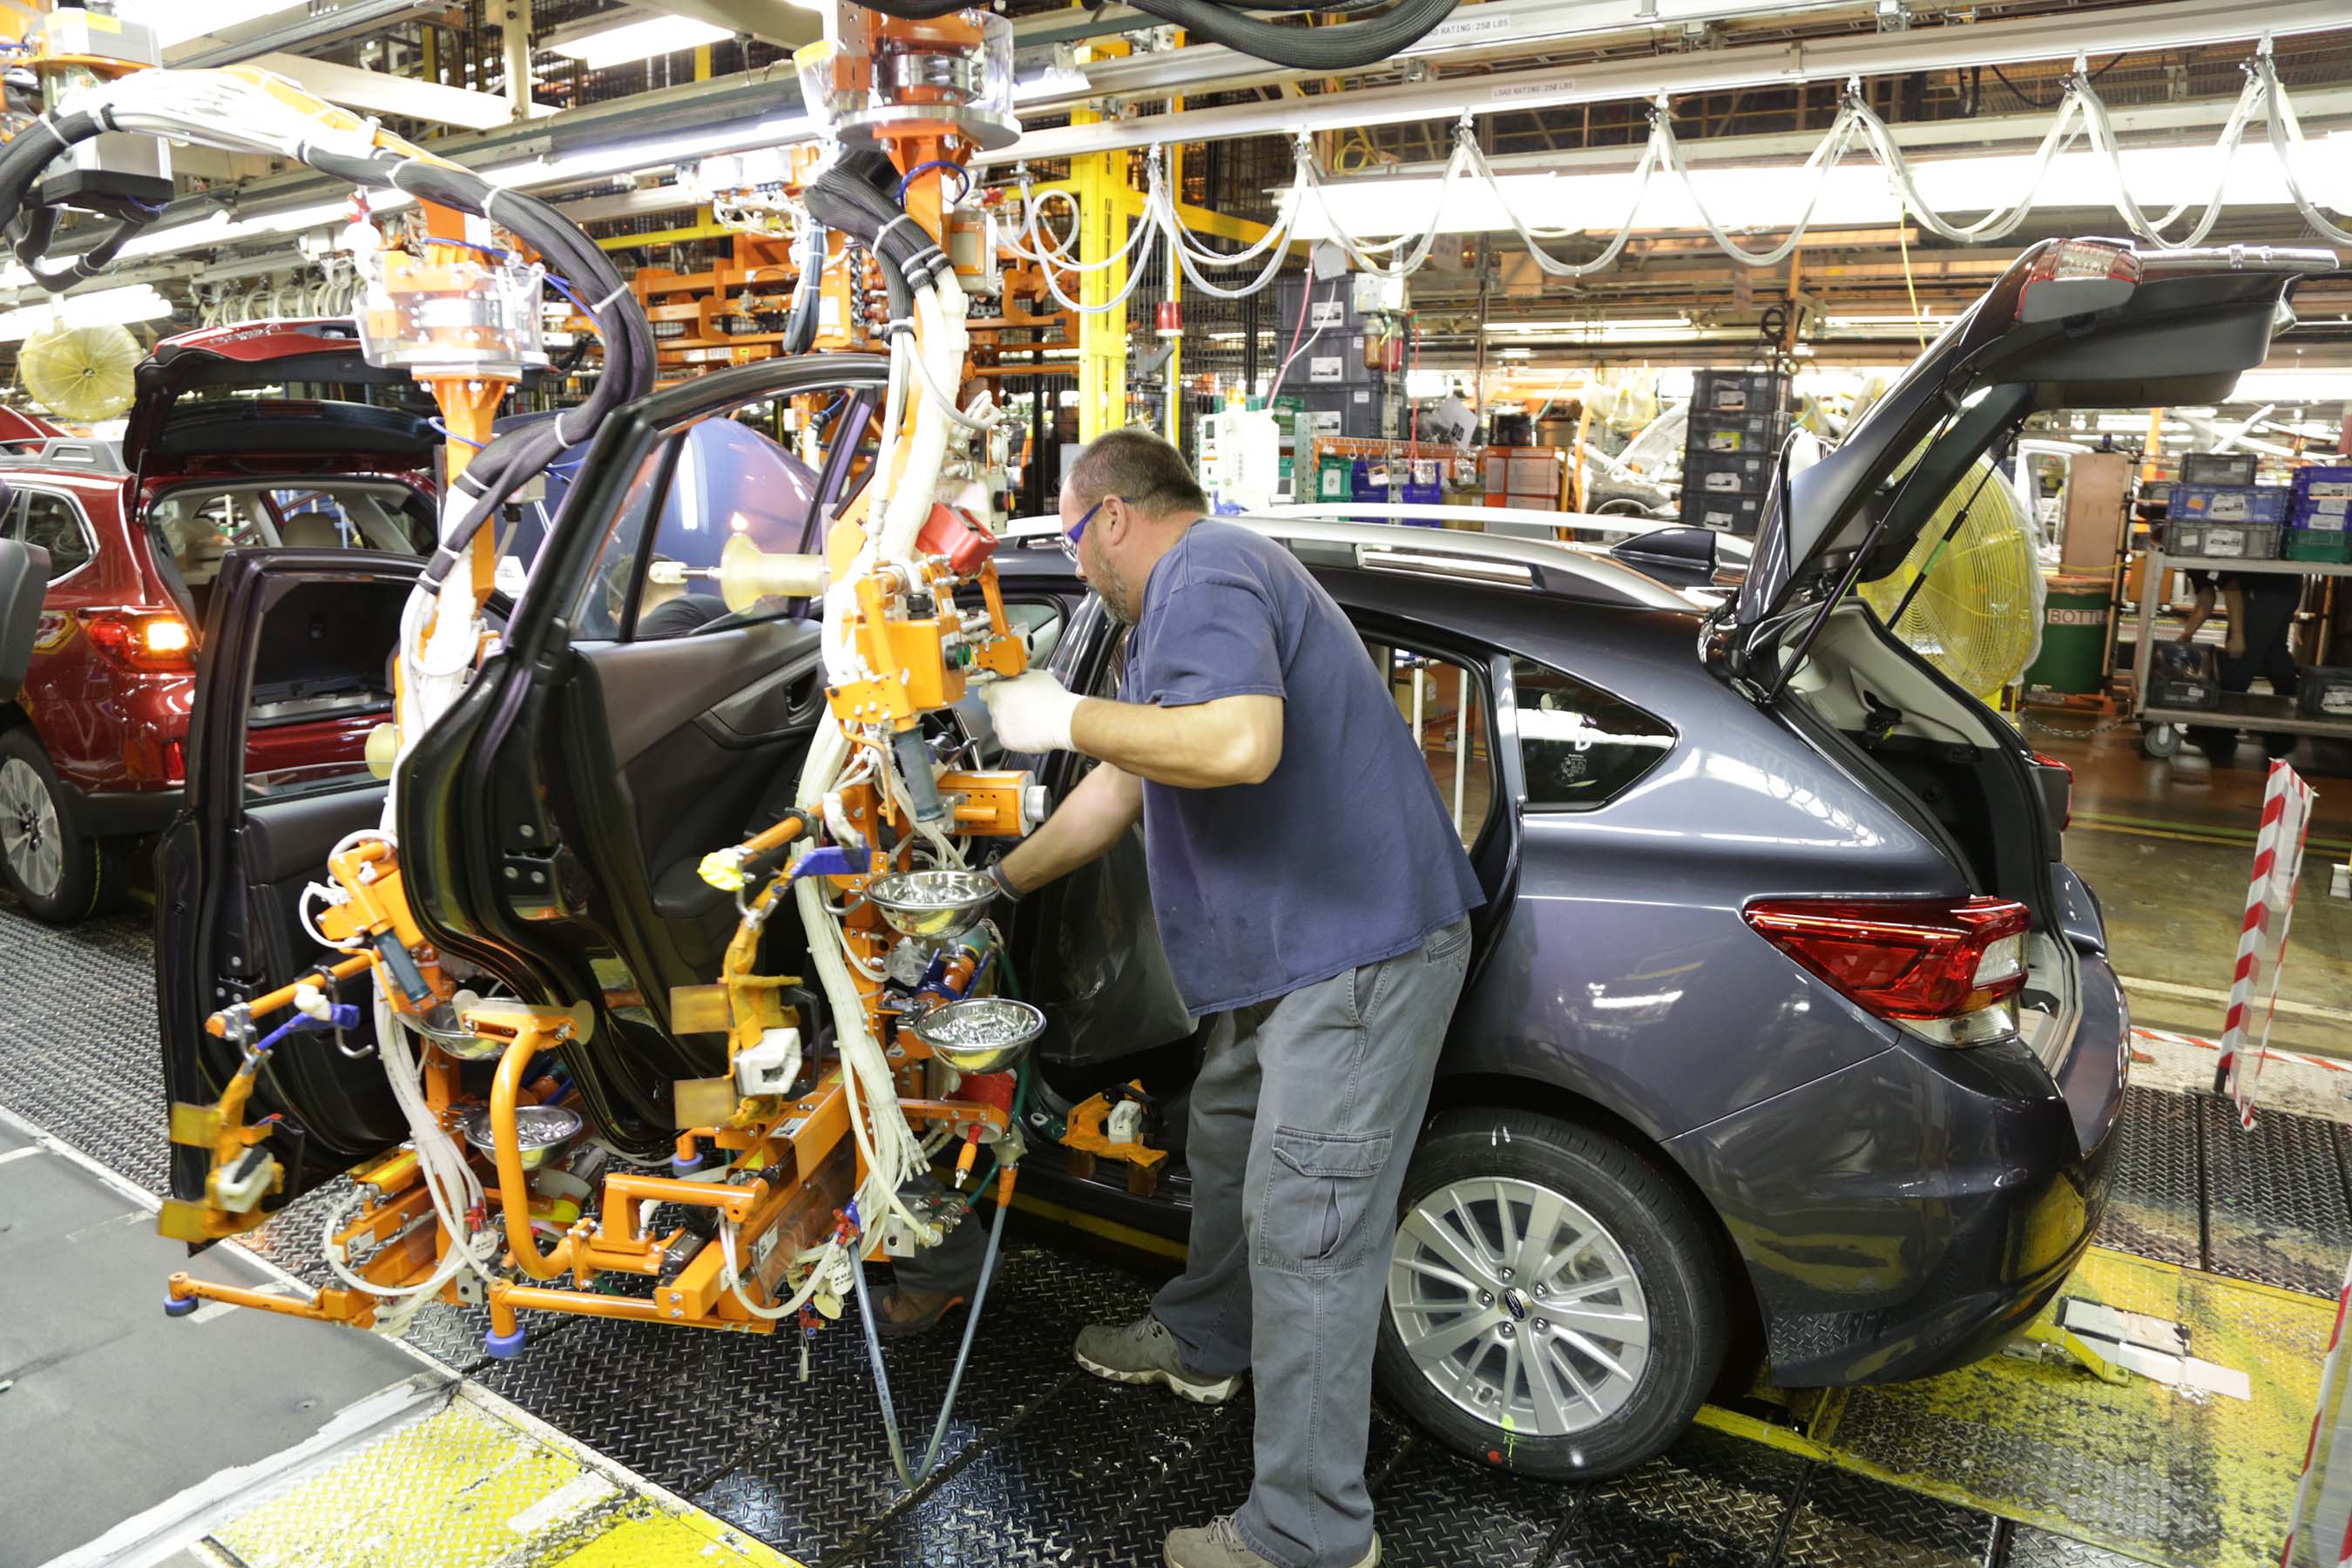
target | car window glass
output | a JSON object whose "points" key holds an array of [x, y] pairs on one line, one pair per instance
{"points": [[1445, 706], [1038, 623], [605, 596], [321, 682], [1579, 746], [731, 490], [53, 523]]}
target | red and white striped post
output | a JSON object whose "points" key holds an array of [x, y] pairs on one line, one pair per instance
{"points": [[2262, 936], [2323, 1511]]}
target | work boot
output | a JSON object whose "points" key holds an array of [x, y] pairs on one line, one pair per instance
{"points": [[901, 1314], [1219, 1544], [1145, 1352]]}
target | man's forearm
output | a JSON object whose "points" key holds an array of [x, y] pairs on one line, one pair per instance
{"points": [[1083, 829], [1235, 740]]}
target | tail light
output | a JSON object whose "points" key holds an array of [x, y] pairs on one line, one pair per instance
{"points": [[141, 639], [2066, 805], [2075, 277], [1943, 970], [176, 762]]}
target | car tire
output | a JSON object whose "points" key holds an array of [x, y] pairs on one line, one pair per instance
{"points": [[59, 873], [1634, 1220]]}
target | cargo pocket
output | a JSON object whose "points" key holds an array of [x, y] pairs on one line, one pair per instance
{"points": [[1318, 1192]]}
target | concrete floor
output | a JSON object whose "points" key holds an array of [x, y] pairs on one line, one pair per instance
{"points": [[2167, 845]]}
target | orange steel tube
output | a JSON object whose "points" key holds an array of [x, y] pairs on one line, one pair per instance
{"points": [[624, 1193], [509, 1297], [182, 1288], [283, 997], [514, 1187]]}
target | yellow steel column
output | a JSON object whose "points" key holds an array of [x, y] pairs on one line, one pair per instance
{"points": [[1099, 180], [1173, 371]]}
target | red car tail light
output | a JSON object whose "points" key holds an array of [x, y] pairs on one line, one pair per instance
{"points": [[2066, 816], [2075, 277], [176, 762], [141, 639], [1942, 968]]}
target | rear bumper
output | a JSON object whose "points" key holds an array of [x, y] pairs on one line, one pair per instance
{"points": [[1911, 1212]]}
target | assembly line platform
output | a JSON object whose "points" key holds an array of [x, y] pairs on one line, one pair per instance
{"points": [[620, 1443]]}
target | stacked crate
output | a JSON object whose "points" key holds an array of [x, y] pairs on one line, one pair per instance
{"points": [[2318, 502], [2217, 513], [1738, 420], [1524, 477], [1339, 375]]}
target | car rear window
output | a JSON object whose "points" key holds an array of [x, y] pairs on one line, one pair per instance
{"points": [[1579, 746], [55, 524]]}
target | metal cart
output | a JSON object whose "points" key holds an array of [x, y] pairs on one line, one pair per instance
{"points": [[2160, 728]]}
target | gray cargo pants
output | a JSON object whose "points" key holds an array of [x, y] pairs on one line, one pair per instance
{"points": [[1303, 1119]]}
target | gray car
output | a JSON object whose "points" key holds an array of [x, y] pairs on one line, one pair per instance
{"points": [[1790, 1036]]}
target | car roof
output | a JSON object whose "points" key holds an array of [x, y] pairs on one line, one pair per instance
{"points": [[1551, 566]]}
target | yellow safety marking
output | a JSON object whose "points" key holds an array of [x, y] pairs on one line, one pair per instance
{"points": [[1110, 1230], [463, 1488], [2166, 1476], [2211, 832], [646, 1537]]}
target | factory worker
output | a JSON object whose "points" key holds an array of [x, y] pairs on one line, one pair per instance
{"points": [[1312, 897]]}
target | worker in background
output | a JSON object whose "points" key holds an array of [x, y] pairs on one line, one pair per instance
{"points": [[1313, 900], [2261, 607]]}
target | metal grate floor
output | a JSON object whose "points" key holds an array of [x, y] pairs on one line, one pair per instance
{"points": [[1046, 1465]]}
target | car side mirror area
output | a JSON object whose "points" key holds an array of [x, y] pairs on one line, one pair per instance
{"points": [[23, 583]]}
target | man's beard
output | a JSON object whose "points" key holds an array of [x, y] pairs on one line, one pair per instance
{"points": [[1113, 594]]}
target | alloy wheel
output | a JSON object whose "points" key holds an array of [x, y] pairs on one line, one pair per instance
{"points": [[1518, 1306], [28, 829]]}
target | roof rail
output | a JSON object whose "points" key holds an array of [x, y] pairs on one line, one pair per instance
{"points": [[62, 452], [1453, 553]]}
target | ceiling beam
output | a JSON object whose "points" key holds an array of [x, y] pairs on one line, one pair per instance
{"points": [[379, 92]]}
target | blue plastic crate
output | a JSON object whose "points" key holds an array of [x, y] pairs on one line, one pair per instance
{"points": [[2230, 503], [2322, 481]]}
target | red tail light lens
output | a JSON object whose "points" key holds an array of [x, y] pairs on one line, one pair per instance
{"points": [[141, 639], [2075, 277], [176, 762], [1912, 961], [2068, 816]]}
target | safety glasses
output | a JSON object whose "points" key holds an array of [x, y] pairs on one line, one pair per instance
{"points": [[1078, 529]]}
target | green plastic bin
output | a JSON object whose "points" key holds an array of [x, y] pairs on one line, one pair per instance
{"points": [[2073, 660]]}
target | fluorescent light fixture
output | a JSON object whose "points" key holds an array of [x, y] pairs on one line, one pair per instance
{"points": [[105, 308], [641, 39], [1854, 195]]}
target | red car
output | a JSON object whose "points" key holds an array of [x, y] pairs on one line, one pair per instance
{"points": [[215, 456]]}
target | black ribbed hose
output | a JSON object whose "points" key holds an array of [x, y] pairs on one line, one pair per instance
{"points": [[1348, 47]]}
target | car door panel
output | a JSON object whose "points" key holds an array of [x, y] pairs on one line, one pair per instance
{"points": [[232, 868]]}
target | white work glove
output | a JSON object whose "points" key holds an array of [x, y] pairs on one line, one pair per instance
{"points": [[1031, 713]]}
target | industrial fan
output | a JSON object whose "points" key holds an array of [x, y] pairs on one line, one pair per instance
{"points": [[1968, 598], [80, 373]]}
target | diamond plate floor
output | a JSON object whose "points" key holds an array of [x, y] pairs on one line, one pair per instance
{"points": [[1046, 1465]]}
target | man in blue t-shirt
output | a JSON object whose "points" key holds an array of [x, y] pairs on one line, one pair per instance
{"points": [[1312, 895]]}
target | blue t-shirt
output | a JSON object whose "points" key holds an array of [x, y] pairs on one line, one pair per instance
{"points": [[1345, 855]]}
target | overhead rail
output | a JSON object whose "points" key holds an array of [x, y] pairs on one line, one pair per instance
{"points": [[2080, 115], [2054, 36]]}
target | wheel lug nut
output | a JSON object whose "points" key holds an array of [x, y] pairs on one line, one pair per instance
{"points": [[1542, 1325], [1485, 1297], [1507, 1331]]}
